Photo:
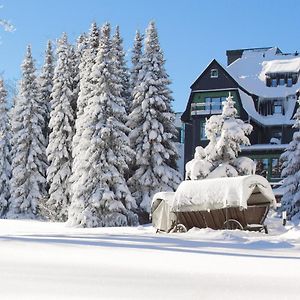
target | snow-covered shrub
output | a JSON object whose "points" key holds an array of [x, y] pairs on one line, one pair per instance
{"points": [[199, 155], [244, 165]]}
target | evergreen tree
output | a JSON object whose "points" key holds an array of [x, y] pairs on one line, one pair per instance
{"points": [[226, 134], [74, 79], [62, 130], [5, 168], [28, 143], [290, 201], [136, 59], [153, 129], [46, 84], [89, 52], [121, 71], [100, 196]]}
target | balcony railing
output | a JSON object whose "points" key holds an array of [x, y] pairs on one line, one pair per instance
{"points": [[206, 108]]}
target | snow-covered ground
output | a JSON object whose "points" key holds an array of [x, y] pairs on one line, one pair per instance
{"points": [[40, 260]]}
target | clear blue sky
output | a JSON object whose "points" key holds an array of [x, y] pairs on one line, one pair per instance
{"points": [[192, 32]]}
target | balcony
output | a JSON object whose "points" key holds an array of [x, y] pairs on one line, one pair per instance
{"points": [[211, 108]]}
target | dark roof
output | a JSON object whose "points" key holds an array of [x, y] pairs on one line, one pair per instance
{"points": [[204, 82]]}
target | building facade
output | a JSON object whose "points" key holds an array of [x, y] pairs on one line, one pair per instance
{"points": [[264, 83]]}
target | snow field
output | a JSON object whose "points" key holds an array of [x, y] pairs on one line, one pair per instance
{"points": [[42, 260]]}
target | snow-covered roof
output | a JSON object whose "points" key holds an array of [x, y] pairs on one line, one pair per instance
{"points": [[269, 120], [265, 147], [250, 72], [281, 66]]}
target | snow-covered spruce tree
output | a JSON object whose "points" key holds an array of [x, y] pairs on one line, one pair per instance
{"points": [[88, 52], [46, 83], [153, 129], [62, 130], [136, 59], [121, 71], [226, 134], [290, 201], [88, 55], [28, 182], [100, 196], [87, 61], [5, 168], [74, 79]]}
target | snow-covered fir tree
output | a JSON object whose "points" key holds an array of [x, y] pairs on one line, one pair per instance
{"points": [[28, 182], [88, 52], [100, 196], [136, 59], [290, 201], [121, 70], [226, 134], [74, 80], [153, 129], [59, 150], [5, 168], [46, 83]]}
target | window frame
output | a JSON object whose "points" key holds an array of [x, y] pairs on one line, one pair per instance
{"points": [[214, 73]]}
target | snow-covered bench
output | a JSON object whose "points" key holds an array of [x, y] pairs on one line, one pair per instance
{"points": [[235, 202]]}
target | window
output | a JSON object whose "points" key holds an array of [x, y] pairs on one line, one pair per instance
{"points": [[277, 107], [276, 168], [281, 81], [202, 132], [214, 104], [274, 82], [289, 82], [207, 103], [262, 166], [214, 73]]}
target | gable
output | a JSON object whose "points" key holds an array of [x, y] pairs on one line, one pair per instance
{"points": [[206, 82]]}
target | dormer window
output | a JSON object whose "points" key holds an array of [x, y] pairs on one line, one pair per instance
{"points": [[273, 82], [214, 73], [289, 82]]}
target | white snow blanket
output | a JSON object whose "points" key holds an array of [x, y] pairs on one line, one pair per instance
{"points": [[217, 193]]}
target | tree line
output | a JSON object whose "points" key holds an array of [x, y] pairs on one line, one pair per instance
{"points": [[88, 140]]}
